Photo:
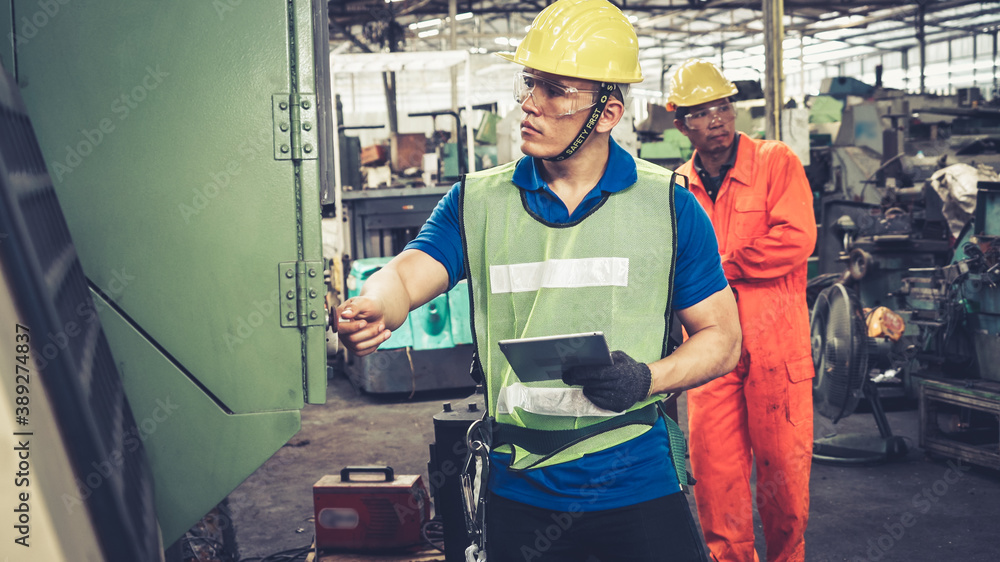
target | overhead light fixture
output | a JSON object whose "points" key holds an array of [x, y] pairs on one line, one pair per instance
{"points": [[849, 52], [646, 93], [646, 42], [463, 16], [428, 33], [822, 47], [843, 21], [501, 41], [745, 73], [793, 43], [425, 24], [633, 19]]}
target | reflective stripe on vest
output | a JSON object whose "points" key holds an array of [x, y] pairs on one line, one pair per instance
{"points": [[566, 274], [611, 271]]}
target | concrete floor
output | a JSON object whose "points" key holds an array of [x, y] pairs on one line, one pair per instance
{"points": [[914, 509]]}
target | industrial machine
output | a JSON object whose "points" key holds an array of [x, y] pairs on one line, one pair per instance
{"points": [[189, 174], [431, 350], [453, 156], [840, 354], [959, 409], [905, 300]]}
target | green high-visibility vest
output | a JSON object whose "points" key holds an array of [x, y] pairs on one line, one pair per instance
{"points": [[611, 271]]}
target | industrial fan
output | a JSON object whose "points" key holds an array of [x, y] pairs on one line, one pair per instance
{"points": [[840, 354]]}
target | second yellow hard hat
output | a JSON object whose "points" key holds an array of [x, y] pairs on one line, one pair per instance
{"points": [[697, 81]]}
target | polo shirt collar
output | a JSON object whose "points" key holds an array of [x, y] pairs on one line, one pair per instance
{"points": [[620, 172]]}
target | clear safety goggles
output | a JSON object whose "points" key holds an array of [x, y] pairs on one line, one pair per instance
{"points": [[705, 118], [552, 98]]}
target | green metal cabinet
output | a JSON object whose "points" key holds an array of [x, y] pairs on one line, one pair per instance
{"points": [[183, 139]]}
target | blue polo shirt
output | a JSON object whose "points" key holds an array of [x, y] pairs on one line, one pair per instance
{"points": [[635, 471]]}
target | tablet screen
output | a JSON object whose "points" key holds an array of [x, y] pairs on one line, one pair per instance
{"points": [[545, 358]]}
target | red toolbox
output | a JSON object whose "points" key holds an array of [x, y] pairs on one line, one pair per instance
{"points": [[369, 508]]}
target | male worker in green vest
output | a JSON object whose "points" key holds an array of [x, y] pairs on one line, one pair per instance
{"points": [[578, 236]]}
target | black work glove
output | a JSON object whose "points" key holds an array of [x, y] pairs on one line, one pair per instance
{"points": [[614, 387]]}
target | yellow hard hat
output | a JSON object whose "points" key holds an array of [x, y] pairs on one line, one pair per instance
{"points": [[696, 82], [589, 39]]}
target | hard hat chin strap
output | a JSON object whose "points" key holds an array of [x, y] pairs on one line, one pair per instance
{"points": [[606, 89]]}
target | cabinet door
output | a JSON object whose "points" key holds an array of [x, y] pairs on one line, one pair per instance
{"points": [[183, 141]]}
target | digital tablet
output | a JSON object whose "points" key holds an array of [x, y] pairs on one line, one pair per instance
{"points": [[545, 358]]}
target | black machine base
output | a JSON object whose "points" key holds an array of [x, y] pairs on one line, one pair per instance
{"points": [[446, 466]]}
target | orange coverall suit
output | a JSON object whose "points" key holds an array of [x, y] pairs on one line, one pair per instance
{"points": [[764, 221]]}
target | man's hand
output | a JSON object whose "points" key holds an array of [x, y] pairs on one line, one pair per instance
{"points": [[362, 326], [614, 387], [410, 280]]}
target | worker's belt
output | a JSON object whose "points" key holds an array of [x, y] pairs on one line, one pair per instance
{"points": [[547, 442]]}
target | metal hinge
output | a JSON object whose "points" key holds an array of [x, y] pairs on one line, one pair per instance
{"points": [[302, 293], [295, 135]]}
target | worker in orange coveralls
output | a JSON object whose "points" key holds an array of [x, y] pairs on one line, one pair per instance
{"points": [[757, 195]]}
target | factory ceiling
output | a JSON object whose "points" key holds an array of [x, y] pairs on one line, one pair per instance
{"points": [[817, 32]]}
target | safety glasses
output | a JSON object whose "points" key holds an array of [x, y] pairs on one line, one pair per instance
{"points": [[704, 118], [552, 98]]}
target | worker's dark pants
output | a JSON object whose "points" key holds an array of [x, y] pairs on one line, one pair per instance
{"points": [[659, 530]]}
